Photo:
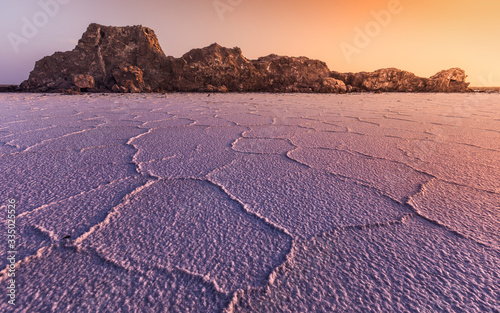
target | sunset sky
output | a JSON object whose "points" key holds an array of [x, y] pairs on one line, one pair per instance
{"points": [[421, 36]]}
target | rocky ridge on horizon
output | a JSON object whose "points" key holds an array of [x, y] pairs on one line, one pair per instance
{"points": [[130, 59]]}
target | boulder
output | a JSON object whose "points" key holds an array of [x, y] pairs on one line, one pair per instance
{"points": [[332, 85], [452, 80], [83, 82], [131, 78]]}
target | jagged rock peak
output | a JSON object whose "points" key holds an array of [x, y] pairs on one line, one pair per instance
{"points": [[214, 52], [98, 34], [102, 54]]}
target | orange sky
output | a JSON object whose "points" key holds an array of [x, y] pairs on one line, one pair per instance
{"points": [[423, 37]]}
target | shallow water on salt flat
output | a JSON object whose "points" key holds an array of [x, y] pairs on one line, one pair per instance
{"points": [[253, 202]]}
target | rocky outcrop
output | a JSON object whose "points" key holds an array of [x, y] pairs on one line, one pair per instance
{"points": [[213, 68], [288, 74], [395, 80], [130, 59], [452, 80], [220, 69]]}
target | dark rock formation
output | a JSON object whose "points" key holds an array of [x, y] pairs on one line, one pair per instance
{"points": [[392, 79], [287, 74], [213, 68], [216, 68], [130, 59], [452, 80], [84, 82]]}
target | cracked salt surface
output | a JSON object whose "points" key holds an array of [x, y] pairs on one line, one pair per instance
{"points": [[253, 202], [414, 266]]}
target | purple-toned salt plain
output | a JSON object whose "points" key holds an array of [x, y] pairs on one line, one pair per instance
{"points": [[252, 202]]}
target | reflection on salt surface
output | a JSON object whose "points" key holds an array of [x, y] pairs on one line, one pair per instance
{"points": [[255, 202]]}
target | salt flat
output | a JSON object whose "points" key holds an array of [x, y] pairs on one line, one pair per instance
{"points": [[253, 202]]}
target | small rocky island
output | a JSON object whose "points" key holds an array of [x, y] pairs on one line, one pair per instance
{"points": [[130, 59]]}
